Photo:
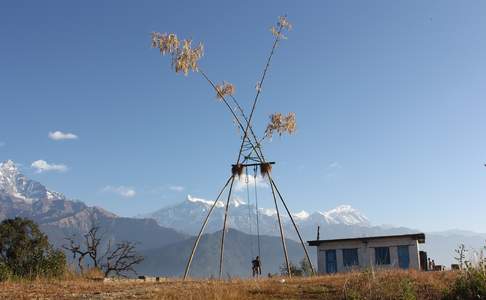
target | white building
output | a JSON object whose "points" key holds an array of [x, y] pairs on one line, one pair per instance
{"points": [[393, 251]]}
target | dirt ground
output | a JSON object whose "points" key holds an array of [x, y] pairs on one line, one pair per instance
{"points": [[382, 285]]}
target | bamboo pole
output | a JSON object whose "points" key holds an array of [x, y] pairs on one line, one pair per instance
{"points": [[256, 211], [243, 128], [221, 255], [293, 223], [259, 153], [196, 243], [260, 84], [284, 246], [245, 137]]}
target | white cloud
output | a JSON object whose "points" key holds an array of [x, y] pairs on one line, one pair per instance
{"points": [[124, 191], [176, 188], [334, 165], [59, 135], [43, 166], [333, 169], [240, 182]]}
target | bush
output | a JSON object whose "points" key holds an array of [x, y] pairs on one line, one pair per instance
{"points": [[294, 269], [471, 281], [303, 269], [470, 284], [407, 289], [25, 251], [5, 272]]}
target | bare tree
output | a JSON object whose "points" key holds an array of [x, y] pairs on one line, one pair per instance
{"points": [[461, 252], [119, 258]]}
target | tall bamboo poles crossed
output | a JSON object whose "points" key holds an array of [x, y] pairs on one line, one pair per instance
{"points": [[184, 58]]}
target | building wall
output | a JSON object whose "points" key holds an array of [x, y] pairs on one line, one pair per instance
{"points": [[366, 253]]}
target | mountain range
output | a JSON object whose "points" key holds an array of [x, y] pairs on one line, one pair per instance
{"points": [[60, 217], [188, 216], [165, 236], [342, 221]]}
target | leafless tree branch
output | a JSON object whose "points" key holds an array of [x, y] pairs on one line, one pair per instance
{"points": [[118, 259]]}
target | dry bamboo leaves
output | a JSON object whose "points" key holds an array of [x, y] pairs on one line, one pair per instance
{"points": [[265, 169], [281, 124], [224, 89], [282, 24], [237, 170], [184, 56]]}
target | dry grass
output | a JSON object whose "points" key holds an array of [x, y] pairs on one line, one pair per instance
{"points": [[265, 169], [237, 170], [384, 285]]}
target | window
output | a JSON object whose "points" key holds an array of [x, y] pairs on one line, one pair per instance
{"points": [[350, 257], [382, 255], [403, 257], [331, 263]]}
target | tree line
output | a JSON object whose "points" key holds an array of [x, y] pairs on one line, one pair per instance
{"points": [[25, 252]]}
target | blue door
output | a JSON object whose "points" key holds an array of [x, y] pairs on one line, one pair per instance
{"points": [[403, 257], [331, 262]]}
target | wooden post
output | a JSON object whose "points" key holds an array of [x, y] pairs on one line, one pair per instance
{"points": [[224, 228], [293, 223], [196, 243], [282, 236]]}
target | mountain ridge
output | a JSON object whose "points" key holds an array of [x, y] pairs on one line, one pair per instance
{"points": [[188, 215], [59, 216]]}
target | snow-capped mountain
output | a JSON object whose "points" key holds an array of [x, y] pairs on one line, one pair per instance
{"points": [[14, 183], [21, 196], [59, 216], [343, 214], [188, 216]]}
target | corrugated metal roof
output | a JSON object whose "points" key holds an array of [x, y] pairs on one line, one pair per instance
{"points": [[420, 237]]}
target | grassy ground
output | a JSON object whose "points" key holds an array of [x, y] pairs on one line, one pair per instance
{"points": [[383, 285]]}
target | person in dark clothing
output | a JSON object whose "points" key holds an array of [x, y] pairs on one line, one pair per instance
{"points": [[256, 267]]}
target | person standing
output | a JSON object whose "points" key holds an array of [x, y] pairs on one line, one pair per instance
{"points": [[256, 267]]}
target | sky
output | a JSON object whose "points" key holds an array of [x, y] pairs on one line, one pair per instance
{"points": [[389, 98]]}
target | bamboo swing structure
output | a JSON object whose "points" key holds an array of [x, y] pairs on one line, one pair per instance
{"points": [[184, 59]]}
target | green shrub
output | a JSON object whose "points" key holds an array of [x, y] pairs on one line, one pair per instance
{"points": [[5, 272], [407, 289], [294, 269], [471, 281], [470, 284], [25, 251], [53, 264]]}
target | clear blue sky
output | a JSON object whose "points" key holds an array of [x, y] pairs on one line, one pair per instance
{"points": [[389, 97]]}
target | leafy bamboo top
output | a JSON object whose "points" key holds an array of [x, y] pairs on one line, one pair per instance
{"points": [[185, 58]]}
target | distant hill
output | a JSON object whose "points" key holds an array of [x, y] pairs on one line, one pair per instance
{"points": [[240, 248], [165, 238], [59, 216]]}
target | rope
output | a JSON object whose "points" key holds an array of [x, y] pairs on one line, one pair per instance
{"points": [[257, 212], [249, 210]]}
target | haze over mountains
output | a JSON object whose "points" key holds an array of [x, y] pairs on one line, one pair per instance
{"points": [[165, 237]]}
